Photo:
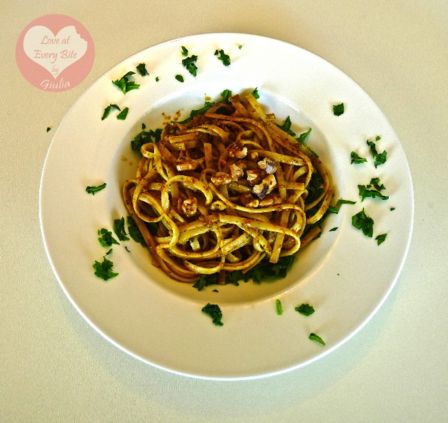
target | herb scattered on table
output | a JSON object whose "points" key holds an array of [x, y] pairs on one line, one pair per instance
{"points": [[48, 128]]}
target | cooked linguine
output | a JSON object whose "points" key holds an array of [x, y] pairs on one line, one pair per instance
{"points": [[225, 190]]}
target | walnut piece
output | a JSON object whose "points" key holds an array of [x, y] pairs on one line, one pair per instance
{"points": [[236, 172], [221, 178], [267, 165], [237, 151], [190, 207], [265, 187]]}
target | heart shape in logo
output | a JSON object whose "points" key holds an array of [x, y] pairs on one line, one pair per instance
{"points": [[54, 53]]}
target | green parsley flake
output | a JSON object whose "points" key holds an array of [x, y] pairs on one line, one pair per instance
{"points": [[255, 93], [141, 69], [179, 77], [119, 229], [355, 158], [286, 126], [316, 338], [278, 307], [363, 222], [380, 238], [125, 83], [221, 55], [105, 238], [92, 189], [303, 136], [144, 137], [48, 128], [338, 109], [372, 190], [157, 79], [214, 312], [123, 114], [305, 309], [189, 63], [104, 269], [134, 231], [378, 158], [335, 209], [108, 109], [333, 229], [184, 51]]}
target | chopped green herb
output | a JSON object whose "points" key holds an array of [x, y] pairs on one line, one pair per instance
{"points": [[335, 209], [278, 307], [144, 137], [305, 309], [392, 209], [134, 232], [364, 193], [286, 126], [372, 190], [240, 46], [266, 271], [48, 128], [184, 51], [179, 77], [108, 109], [338, 109], [378, 158], [380, 238], [214, 311], [225, 95], [356, 159], [316, 338], [91, 189], [104, 269], [119, 230], [303, 136], [141, 69], [127, 249], [363, 222], [189, 63], [123, 114], [105, 238], [198, 112], [376, 183], [221, 55], [205, 280], [334, 229], [125, 83], [255, 93], [157, 79]]}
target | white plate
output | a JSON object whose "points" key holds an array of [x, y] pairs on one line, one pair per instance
{"points": [[344, 275]]}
